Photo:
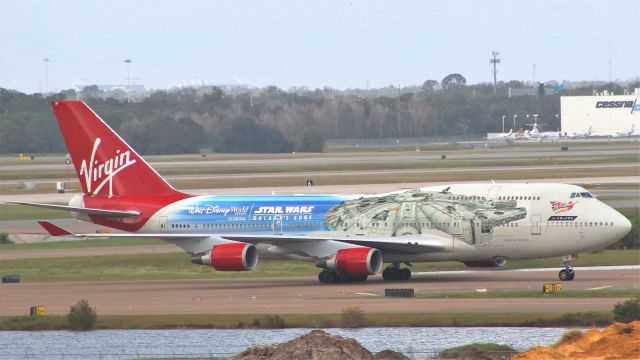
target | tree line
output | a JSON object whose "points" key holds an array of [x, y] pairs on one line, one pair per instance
{"points": [[274, 120]]}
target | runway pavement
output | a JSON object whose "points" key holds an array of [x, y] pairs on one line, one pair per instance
{"points": [[306, 295], [311, 174], [372, 157]]}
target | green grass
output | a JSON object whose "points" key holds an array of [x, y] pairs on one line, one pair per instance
{"points": [[75, 244], [140, 267], [178, 266], [20, 212], [232, 321], [600, 293]]}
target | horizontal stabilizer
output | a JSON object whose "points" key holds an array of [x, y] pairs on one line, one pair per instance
{"points": [[82, 210], [54, 230]]}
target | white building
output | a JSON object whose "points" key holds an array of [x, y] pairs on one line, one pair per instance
{"points": [[604, 114]]}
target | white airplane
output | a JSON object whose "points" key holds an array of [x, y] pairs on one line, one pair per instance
{"points": [[620, 134], [348, 236], [506, 136], [535, 134], [579, 135]]}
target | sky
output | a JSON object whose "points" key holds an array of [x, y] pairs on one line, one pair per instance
{"points": [[339, 44]]}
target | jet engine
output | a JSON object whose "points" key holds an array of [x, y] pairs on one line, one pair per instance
{"points": [[235, 256], [495, 262], [356, 262]]}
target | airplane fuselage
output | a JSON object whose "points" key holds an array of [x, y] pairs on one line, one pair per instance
{"points": [[483, 221]]}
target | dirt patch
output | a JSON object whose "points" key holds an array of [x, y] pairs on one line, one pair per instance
{"points": [[618, 341], [316, 345]]}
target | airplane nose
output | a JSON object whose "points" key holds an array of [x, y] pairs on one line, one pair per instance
{"points": [[622, 226], [625, 227]]}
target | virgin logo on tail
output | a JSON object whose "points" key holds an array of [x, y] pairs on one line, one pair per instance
{"points": [[98, 174]]}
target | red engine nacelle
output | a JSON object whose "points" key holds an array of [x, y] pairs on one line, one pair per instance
{"points": [[356, 262], [236, 256]]}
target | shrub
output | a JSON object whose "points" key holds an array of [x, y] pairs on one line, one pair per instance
{"points": [[478, 351], [627, 311], [4, 238], [570, 336], [352, 317], [626, 330], [82, 316]]}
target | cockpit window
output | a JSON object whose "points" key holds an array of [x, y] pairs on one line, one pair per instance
{"points": [[581, 195]]}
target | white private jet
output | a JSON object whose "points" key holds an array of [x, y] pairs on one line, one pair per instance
{"points": [[580, 135], [622, 134]]}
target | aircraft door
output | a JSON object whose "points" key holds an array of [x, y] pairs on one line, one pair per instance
{"points": [[163, 223], [492, 194], [457, 229], [361, 225], [277, 224], [536, 226]]}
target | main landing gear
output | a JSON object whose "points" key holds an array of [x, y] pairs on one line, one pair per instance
{"points": [[332, 277], [567, 274], [394, 272]]}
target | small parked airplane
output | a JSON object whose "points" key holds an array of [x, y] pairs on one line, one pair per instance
{"points": [[348, 236], [505, 136], [620, 134], [579, 135], [535, 134]]}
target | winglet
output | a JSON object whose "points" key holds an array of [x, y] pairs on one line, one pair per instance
{"points": [[53, 230]]}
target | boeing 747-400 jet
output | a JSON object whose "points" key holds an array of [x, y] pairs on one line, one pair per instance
{"points": [[348, 236]]}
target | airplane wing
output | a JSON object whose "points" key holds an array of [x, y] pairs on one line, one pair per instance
{"points": [[311, 244], [82, 210], [396, 244]]}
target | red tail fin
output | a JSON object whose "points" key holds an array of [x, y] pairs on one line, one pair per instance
{"points": [[106, 165]]}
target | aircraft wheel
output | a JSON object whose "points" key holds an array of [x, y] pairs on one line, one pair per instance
{"points": [[327, 277], [387, 273], [405, 274], [564, 275], [342, 278], [572, 275]]}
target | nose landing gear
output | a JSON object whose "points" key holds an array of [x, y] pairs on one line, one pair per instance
{"points": [[394, 272], [567, 274]]}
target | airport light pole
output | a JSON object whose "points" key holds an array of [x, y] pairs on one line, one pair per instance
{"points": [[46, 75], [503, 116], [494, 60], [67, 160], [127, 61], [514, 120]]}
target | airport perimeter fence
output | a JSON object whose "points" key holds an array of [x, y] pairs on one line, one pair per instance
{"points": [[417, 355]]}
